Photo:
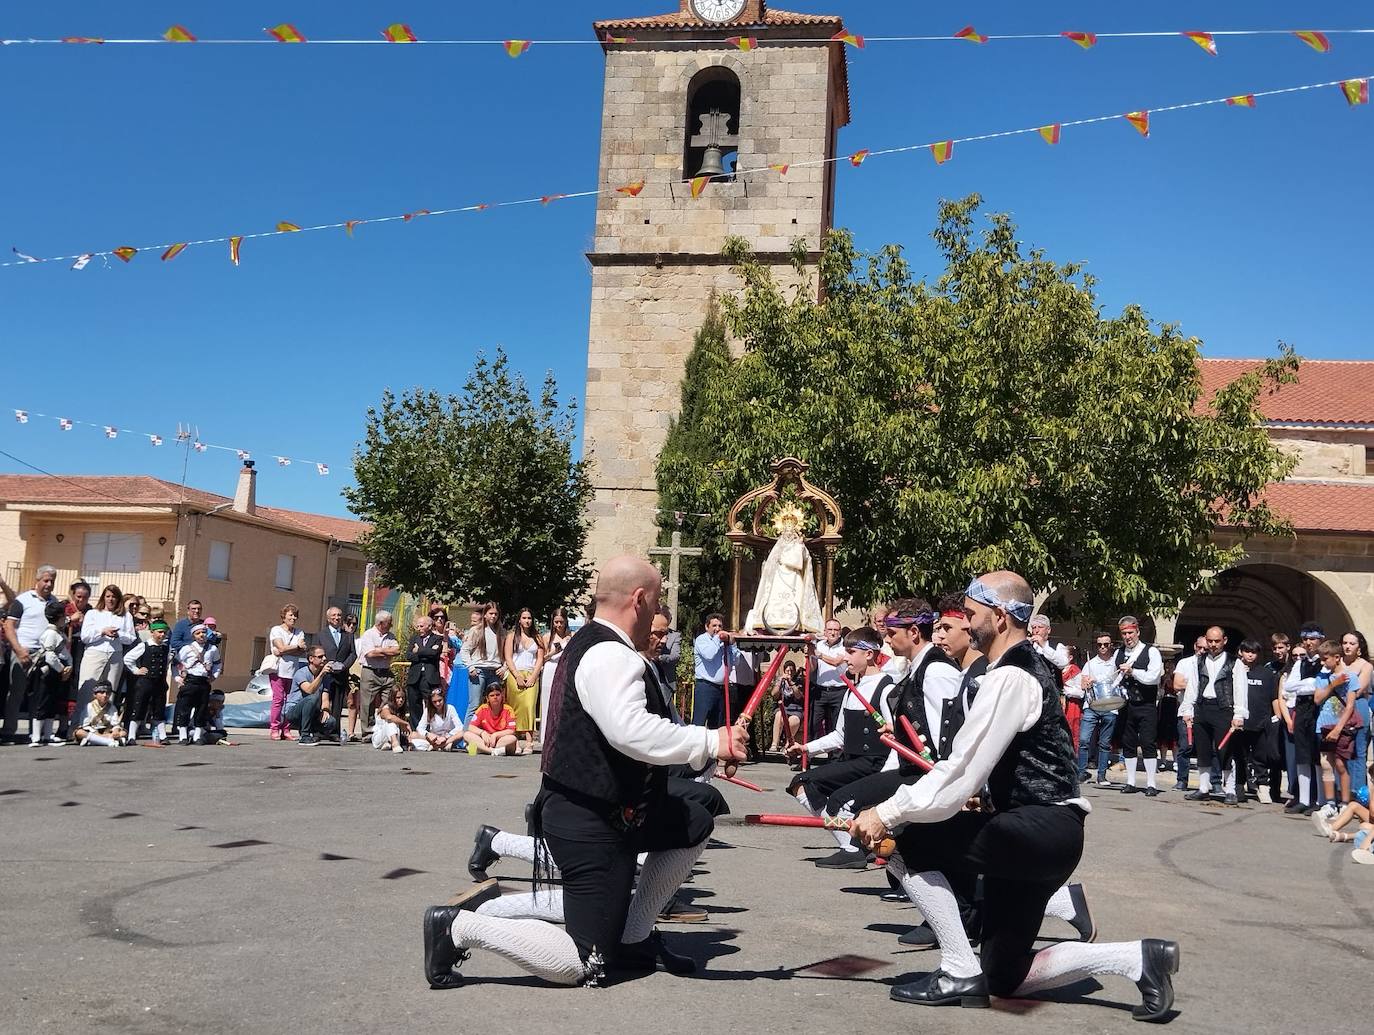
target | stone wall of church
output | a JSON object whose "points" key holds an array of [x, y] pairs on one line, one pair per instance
{"points": [[1326, 454], [656, 256]]}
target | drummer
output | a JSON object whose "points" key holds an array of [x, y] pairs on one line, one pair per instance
{"points": [[1097, 679]]}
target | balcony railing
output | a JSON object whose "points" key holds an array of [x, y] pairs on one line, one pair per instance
{"points": [[157, 586]]}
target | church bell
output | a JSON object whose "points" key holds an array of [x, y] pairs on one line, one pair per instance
{"points": [[711, 162]]}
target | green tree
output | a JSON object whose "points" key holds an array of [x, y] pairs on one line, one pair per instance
{"points": [[992, 418], [476, 495]]}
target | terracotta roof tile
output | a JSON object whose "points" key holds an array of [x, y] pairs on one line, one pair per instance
{"points": [[678, 20], [146, 491], [1318, 506], [1327, 391]]}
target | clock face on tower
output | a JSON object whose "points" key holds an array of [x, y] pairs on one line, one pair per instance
{"points": [[718, 10]]}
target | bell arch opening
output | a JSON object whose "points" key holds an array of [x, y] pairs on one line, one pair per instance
{"points": [[713, 124]]}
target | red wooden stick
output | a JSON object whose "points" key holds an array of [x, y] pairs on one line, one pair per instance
{"points": [[905, 752], [756, 698], [806, 704], [771, 819], [877, 717], [725, 680], [738, 782], [1222, 745], [1189, 727], [912, 735]]}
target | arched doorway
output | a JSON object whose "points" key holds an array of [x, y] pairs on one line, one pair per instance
{"points": [[1254, 600]]}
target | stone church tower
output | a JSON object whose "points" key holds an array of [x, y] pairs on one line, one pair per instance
{"points": [[676, 98]]}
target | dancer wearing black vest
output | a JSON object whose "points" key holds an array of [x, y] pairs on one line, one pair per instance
{"points": [[1016, 742], [147, 663], [604, 799], [1139, 668], [1217, 701], [855, 734], [1301, 684]]}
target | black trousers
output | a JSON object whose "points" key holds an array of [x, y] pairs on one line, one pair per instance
{"points": [[1025, 855], [826, 702], [1210, 725], [1140, 726], [1305, 732], [145, 705], [696, 791], [597, 861], [192, 698], [865, 792], [823, 781]]}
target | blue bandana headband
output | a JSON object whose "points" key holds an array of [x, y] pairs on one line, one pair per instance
{"points": [[866, 645], [979, 591]]}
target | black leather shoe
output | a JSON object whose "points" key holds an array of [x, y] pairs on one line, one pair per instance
{"points": [[652, 950], [1159, 961], [482, 856], [919, 937], [1152, 792], [441, 956], [1130, 789], [1293, 807], [939, 989], [1231, 799], [1082, 916], [1198, 796], [843, 860]]}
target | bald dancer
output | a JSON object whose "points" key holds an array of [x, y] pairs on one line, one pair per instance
{"points": [[1015, 741], [603, 800]]}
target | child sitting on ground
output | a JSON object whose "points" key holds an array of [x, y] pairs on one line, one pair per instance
{"points": [[492, 730], [52, 667], [100, 725], [440, 728], [214, 731]]}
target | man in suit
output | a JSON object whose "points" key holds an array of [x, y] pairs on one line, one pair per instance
{"points": [[423, 654], [340, 652]]}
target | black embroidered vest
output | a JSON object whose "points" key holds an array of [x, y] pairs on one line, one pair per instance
{"points": [[1137, 692], [1039, 767], [1224, 684], [154, 659], [579, 760], [910, 701], [861, 729]]}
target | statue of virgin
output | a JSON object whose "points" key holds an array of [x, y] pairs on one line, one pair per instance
{"points": [[786, 600]]}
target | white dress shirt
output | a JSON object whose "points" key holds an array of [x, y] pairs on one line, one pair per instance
{"points": [[610, 685], [1214, 667], [1055, 653], [1008, 703], [200, 661], [941, 684], [1154, 664], [834, 740], [830, 663], [93, 628]]}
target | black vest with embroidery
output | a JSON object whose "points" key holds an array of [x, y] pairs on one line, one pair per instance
{"points": [[861, 729], [154, 659], [1137, 692], [968, 690], [1038, 767], [1224, 685], [909, 701], [579, 760]]}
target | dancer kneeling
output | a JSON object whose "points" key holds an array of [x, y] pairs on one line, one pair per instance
{"points": [[1016, 741], [604, 799]]}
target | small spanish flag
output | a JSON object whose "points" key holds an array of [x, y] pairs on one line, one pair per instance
{"points": [[1051, 133], [514, 48], [1241, 100], [1356, 91], [234, 244], [285, 33], [1140, 120], [551, 197], [1316, 40], [411, 215], [125, 253], [287, 228], [82, 39], [781, 168], [632, 189], [943, 151], [172, 252], [698, 185], [857, 158], [1203, 40], [348, 226], [398, 33], [742, 42], [848, 37], [1086, 40], [968, 32], [178, 34]]}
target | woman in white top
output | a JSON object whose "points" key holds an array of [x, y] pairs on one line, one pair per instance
{"points": [[482, 655], [440, 728], [288, 644], [524, 656], [559, 635], [106, 630]]}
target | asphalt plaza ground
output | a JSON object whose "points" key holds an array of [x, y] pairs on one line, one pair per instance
{"points": [[269, 886]]}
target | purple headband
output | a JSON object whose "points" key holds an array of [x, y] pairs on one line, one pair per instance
{"points": [[906, 621]]}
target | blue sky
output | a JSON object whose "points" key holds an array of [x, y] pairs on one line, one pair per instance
{"points": [[1243, 226]]}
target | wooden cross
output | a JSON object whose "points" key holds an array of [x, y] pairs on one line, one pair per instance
{"points": [[674, 553]]}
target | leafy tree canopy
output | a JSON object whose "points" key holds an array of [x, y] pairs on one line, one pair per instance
{"points": [[993, 418], [476, 496]]}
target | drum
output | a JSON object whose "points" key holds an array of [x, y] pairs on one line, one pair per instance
{"points": [[1104, 697]]}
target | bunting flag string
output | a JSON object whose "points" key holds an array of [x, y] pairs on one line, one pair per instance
{"points": [[110, 431], [1355, 91], [399, 32]]}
